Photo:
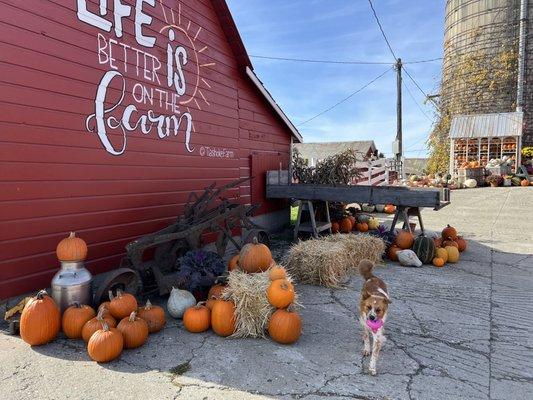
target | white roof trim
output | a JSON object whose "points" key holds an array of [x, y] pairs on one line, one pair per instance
{"points": [[274, 105], [486, 125]]}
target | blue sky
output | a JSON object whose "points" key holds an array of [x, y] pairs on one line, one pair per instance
{"points": [[346, 30]]}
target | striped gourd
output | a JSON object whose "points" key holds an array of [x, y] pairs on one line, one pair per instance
{"points": [[424, 248]]}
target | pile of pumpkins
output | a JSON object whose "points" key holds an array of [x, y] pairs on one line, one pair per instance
{"points": [[219, 314], [359, 223], [437, 251], [41, 321]]}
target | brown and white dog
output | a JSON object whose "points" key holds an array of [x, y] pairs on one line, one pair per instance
{"points": [[373, 308]]}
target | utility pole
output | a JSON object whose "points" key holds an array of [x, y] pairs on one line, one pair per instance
{"points": [[399, 139]]}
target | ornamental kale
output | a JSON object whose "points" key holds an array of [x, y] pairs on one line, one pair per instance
{"points": [[199, 269]]}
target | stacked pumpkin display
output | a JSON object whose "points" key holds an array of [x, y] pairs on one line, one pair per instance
{"points": [[436, 251], [359, 223]]}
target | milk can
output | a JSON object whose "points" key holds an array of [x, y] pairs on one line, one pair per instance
{"points": [[72, 283]]}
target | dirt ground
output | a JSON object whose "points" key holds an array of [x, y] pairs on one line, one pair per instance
{"points": [[460, 332]]}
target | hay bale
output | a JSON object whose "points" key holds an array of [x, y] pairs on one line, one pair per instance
{"points": [[329, 261], [252, 309]]}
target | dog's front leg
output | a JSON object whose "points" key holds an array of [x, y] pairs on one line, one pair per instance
{"points": [[378, 341], [366, 343]]}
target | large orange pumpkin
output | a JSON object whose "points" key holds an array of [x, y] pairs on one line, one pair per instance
{"points": [[449, 232], [197, 318], [255, 257], [223, 317], [285, 326], [404, 240], [462, 244], [233, 262], [392, 252], [122, 305], [362, 227], [153, 315], [74, 318], [95, 323], [345, 225], [280, 293], [40, 320], [134, 331], [71, 248], [105, 344]]}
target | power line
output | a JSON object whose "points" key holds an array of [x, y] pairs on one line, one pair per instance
{"points": [[348, 62], [346, 98], [416, 84], [416, 102], [381, 29]]}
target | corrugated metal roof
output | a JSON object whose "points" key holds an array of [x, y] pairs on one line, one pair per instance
{"points": [[486, 125], [322, 150]]}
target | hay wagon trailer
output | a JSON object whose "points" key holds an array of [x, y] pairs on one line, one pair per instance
{"points": [[408, 201]]}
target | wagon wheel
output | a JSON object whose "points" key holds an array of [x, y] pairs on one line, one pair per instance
{"points": [[125, 279]]}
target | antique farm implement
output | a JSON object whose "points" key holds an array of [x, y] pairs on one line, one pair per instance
{"points": [[408, 201], [152, 261]]}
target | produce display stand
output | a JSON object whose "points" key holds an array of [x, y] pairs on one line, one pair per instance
{"points": [[408, 200]]}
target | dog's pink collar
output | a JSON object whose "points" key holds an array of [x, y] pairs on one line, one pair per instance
{"points": [[374, 325]]}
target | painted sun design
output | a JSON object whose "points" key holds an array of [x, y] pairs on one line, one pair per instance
{"points": [[185, 34]]}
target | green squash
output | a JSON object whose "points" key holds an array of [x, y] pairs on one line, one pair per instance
{"points": [[424, 249]]}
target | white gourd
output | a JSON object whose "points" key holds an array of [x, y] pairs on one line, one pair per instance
{"points": [[471, 183], [178, 301], [408, 258]]}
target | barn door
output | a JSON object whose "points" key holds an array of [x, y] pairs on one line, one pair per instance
{"points": [[261, 163]]}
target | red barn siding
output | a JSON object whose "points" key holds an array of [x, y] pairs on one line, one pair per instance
{"points": [[55, 176]]}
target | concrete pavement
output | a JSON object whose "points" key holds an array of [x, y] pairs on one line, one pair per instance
{"points": [[459, 332]]}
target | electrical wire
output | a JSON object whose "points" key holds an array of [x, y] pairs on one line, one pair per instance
{"points": [[416, 102], [346, 98], [348, 62], [381, 29]]}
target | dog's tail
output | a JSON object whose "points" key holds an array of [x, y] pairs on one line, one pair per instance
{"points": [[365, 269]]}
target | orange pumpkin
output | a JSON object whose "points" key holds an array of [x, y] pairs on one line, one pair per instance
{"points": [[438, 262], [40, 320], [71, 248], [362, 227], [352, 220], [74, 318], [449, 242], [223, 317], [335, 227], [392, 253], [449, 232], [216, 291], [438, 242], [345, 225], [285, 326], [122, 305], [95, 323], [277, 272], [233, 262], [524, 182], [255, 257], [390, 209], [134, 330], [404, 239], [210, 303], [153, 315], [462, 244], [441, 253], [280, 293], [197, 318], [105, 344]]}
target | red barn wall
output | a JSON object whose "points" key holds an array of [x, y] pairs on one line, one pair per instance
{"points": [[56, 175]]}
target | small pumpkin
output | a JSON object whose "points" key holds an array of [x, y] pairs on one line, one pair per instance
{"points": [[121, 305], [285, 327], [335, 227], [197, 318], [71, 248], [255, 257], [74, 318], [223, 317], [280, 293], [404, 240], [392, 253], [134, 330], [352, 220], [524, 182], [390, 209], [153, 315], [449, 232], [438, 242], [438, 262], [216, 291], [233, 262], [40, 320], [453, 254], [441, 253], [449, 242], [105, 344], [373, 223], [362, 227], [95, 323], [462, 244], [345, 225], [277, 272], [178, 301]]}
